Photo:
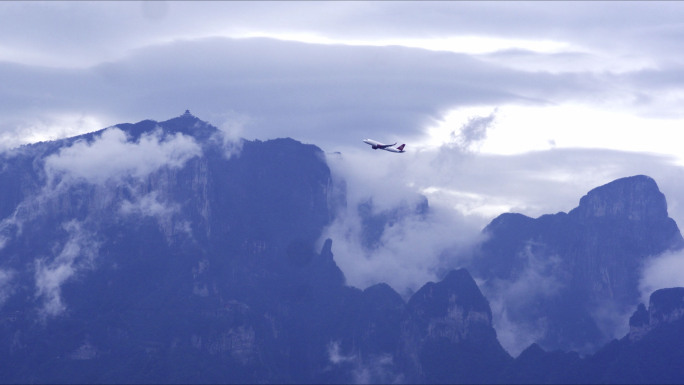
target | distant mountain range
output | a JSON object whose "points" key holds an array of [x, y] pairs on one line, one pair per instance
{"points": [[158, 252]]}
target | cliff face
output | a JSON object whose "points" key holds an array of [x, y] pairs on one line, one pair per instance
{"points": [[666, 306], [157, 252], [456, 342], [152, 251], [580, 270], [651, 353]]}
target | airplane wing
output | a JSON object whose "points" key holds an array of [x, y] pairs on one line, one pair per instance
{"points": [[376, 144]]}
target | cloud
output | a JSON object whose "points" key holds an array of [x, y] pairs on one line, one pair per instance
{"points": [[153, 60], [515, 336], [333, 97], [374, 369], [149, 205], [473, 132], [514, 298], [112, 156], [6, 288], [231, 126], [153, 205], [155, 10], [413, 247], [335, 355], [76, 255], [663, 271], [44, 126], [62, 31]]}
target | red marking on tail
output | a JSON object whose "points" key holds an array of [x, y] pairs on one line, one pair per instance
{"points": [[401, 148]]}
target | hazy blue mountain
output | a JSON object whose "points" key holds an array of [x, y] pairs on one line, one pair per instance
{"points": [[453, 332], [653, 350], [156, 252], [204, 271], [160, 252], [576, 274], [651, 353]]}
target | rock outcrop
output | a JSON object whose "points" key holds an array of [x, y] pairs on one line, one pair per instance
{"points": [[574, 275]]}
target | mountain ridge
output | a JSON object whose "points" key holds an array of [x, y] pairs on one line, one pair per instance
{"points": [[193, 265], [581, 268]]}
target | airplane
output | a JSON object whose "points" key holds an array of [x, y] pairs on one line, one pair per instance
{"points": [[386, 147]]}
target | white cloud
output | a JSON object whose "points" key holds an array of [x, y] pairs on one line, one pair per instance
{"points": [[76, 255], [513, 336], [111, 156], [163, 210], [413, 248], [232, 130], [335, 354], [43, 126], [511, 298], [660, 272], [6, 289], [149, 205], [372, 369]]}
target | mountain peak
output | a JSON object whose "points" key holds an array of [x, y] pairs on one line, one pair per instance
{"points": [[665, 306], [635, 198], [187, 119], [186, 124], [456, 289]]}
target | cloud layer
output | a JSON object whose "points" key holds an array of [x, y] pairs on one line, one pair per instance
{"points": [[112, 156]]}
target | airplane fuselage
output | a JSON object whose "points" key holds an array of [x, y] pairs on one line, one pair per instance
{"points": [[387, 147]]}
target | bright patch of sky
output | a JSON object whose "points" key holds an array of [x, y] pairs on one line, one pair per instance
{"points": [[471, 44], [518, 129]]}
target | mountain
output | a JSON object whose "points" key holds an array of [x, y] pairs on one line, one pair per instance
{"points": [[571, 279], [651, 353], [160, 252], [147, 253], [653, 350], [454, 334]]}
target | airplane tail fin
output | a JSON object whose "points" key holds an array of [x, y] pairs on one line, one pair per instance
{"points": [[401, 148]]}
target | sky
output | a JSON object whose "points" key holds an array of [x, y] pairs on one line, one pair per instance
{"points": [[503, 106]]}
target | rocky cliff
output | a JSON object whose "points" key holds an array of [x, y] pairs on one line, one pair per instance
{"points": [[160, 252], [575, 275]]}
